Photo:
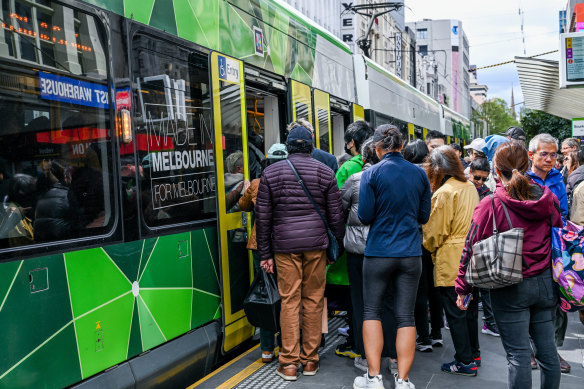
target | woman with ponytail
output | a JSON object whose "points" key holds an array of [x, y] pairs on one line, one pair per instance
{"points": [[526, 309], [394, 199]]}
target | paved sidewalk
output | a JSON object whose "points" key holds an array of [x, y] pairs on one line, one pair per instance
{"points": [[339, 372]]}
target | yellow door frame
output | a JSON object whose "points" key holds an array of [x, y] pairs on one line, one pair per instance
{"points": [[301, 93], [236, 327], [322, 100]]}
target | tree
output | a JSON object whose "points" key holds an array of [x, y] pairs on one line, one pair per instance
{"points": [[537, 122], [496, 114]]}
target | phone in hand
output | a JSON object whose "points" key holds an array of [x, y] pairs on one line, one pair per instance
{"points": [[466, 300]]}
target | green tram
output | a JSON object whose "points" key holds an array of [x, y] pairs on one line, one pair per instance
{"points": [[125, 124]]}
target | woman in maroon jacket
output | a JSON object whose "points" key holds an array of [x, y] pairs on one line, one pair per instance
{"points": [[526, 309]]}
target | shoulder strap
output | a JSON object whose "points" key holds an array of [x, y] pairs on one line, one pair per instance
{"points": [[506, 213], [494, 222], [308, 194]]}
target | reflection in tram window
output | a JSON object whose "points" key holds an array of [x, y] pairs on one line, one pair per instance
{"points": [[233, 161], [234, 178], [323, 130], [56, 181], [302, 111], [173, 135], [41, 32]]}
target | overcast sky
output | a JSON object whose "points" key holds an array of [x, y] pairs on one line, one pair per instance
{"points": [[493, 28]]}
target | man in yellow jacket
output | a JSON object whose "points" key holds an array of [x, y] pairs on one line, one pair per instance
{"points": [[453, 204]]}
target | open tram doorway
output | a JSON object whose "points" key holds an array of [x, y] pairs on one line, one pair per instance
{"points": [[340, 118], [265, 98]]}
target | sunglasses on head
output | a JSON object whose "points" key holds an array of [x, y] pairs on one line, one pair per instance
{"points": [[479, 178]]}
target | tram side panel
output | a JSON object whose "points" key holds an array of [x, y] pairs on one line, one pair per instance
{"points": [[72, 314]]}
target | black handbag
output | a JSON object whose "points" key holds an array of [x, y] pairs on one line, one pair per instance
{"points": [[334, 250], [262, 303]]}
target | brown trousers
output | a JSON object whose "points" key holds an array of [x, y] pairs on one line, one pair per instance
{"points": [[301, 281]]}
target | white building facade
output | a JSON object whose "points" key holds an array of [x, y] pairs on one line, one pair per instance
{"points": [[445, 44]]}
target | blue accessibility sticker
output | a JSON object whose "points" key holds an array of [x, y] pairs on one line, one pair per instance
{"points": [[69, 90]]}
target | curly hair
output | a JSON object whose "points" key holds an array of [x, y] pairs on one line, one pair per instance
{"points": [[443, 163]]}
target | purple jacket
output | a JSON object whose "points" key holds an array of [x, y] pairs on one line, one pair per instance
{"points": [[286, 221], [534, 216]]}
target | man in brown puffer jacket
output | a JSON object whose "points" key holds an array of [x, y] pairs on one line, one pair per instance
{"points": [[289, 230]]}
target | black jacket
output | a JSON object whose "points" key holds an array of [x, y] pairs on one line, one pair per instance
{"points": [[54, 216]]}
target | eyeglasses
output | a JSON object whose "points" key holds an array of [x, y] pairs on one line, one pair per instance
{"points": [[479, 178], [545, 154]]}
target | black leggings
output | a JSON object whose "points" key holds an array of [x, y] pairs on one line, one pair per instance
{"points": [[400, 274]]}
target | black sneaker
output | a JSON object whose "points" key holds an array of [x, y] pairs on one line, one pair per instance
{"points": [[347, 350], [424, 345]]}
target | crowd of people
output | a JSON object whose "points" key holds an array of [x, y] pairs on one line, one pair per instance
{"points": [[408, 215]]}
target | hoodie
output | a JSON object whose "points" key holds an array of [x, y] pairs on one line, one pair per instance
{"points": [[555, 182], [534, 216], [491, 144]]}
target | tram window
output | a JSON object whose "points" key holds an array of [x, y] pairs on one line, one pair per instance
{"points": [[55, 140], [53, 35], [323, 130], [173, 134], [301, 111]]}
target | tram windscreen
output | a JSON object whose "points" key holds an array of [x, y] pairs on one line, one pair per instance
{"points": [[174, 137], [55, 137]]}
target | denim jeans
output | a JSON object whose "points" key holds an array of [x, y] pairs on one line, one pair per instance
{"points": [[523, 310]]}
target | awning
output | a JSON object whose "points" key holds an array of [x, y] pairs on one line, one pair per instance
{"points": [[540, 82]]}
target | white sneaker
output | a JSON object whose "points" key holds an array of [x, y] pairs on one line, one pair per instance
{"points": [[363, 382], [361, 363], [401, 384]]}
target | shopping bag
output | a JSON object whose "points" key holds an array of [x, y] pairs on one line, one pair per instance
{"points": [[568, 265], [262, 303]]}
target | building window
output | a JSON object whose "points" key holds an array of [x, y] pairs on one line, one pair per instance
{"points": [[423, 50], [422, 33]]}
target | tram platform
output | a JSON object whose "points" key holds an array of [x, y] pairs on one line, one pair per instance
{"points": [[247, 371]]}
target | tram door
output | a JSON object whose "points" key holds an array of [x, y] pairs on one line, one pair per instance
{"points": [[322, 116], [301, 101], [231, 161]]}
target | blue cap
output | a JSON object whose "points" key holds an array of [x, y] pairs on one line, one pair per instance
{"points": [[299, 134]]}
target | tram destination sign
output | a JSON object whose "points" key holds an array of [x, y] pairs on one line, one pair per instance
{"points": [[572, 60]]}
